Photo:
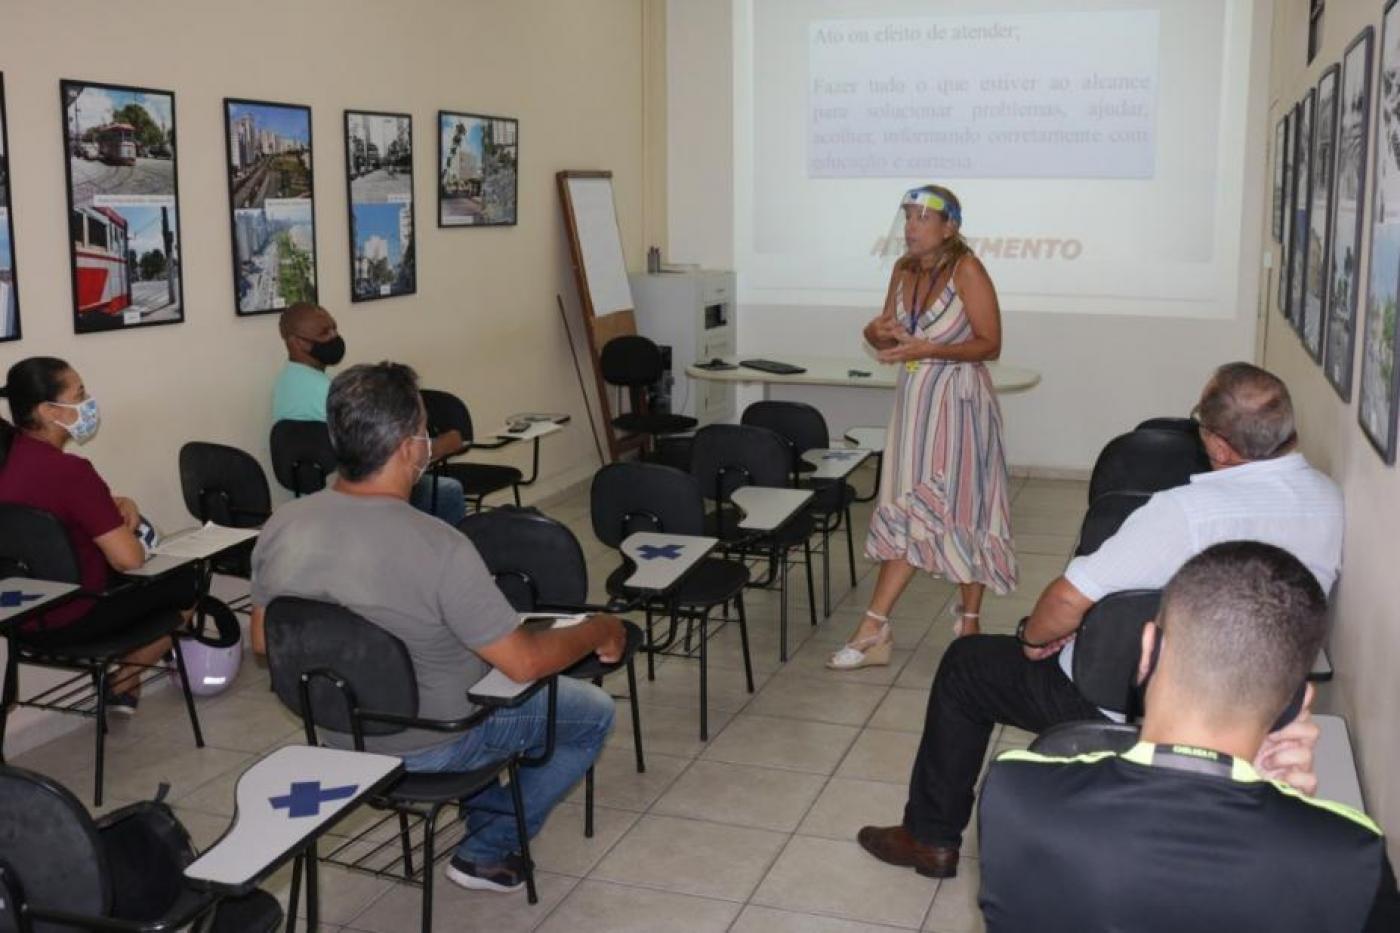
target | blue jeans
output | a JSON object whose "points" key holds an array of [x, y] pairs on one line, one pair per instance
{"points": [[583, 719], [451, 500]]}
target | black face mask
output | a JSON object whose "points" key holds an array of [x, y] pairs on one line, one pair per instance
{"points": [[1290, 712], [328, 352]]}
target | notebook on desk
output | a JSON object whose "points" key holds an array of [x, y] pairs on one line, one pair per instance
{"points": [[773, 366], [497, 686]]}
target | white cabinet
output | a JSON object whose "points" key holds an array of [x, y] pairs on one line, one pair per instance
{"points": [[692, 313]]}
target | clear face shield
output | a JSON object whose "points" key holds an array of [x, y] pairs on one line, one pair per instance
{"points": [[918, 205]]}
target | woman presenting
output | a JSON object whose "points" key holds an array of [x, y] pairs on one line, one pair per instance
{"points": [[944, 506]]}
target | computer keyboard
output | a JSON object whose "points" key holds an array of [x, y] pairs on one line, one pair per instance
{"points": [[773, 366]]}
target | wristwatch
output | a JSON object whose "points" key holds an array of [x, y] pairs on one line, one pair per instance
{"points": [[1021, 633]]}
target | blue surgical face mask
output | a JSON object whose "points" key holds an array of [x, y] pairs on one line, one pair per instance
{"points": [[88, 421]]}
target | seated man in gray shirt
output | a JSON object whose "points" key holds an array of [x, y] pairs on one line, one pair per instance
{"points": [[359, 544]]}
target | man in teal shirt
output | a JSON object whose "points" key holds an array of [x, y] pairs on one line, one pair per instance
{"points": [[313, 344]]}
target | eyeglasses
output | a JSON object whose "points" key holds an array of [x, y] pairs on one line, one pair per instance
{"points": [[1289, 441]]}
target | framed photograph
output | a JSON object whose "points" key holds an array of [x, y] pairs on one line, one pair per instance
{"points": [[1290, 119], [123, 206], [379, 186], [9, 281], [478, 157], [1280, 160], [271, 210], [1302, 204], [1315, 12], [1376, 410], [1354, 117], [1324, 151]]}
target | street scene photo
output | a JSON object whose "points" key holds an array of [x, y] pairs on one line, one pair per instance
{"points": [[379, 161], [9, 299], [274, 225], [478, 158], [9, 296], [123, 219], [1376, 406]]}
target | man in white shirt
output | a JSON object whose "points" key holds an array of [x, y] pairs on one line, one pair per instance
{"points": [[1258, 489]]}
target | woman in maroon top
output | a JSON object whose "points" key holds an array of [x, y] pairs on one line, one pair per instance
{"points": [[51, 407]]}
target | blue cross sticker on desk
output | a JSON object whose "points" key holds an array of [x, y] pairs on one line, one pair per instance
{"points": [[11, 598], [304, 798], [653, 551]]}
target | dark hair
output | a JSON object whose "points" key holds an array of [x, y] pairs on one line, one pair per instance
{"points": [[370, 410], [29, 383], [1245, 620], [1249, 408]]}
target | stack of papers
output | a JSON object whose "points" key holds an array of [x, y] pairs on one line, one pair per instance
{"points": [[199, 543]]}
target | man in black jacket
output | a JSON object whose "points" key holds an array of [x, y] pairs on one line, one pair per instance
{"points": [[1180, 832]]}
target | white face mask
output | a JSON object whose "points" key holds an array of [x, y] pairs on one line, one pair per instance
{"points": [[428, 460], [89, 419]]}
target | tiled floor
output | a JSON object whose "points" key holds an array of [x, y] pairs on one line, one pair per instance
{"points": [[753, 831]]}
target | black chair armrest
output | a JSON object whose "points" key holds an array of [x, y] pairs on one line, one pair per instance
{"points": [[433, 725], [193, 909], [123, 584]]}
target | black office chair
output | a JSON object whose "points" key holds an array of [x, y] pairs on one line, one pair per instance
{"points": [[342, 673], [1108, 646], [1187, 425], [1070, 739], [728, 456], [539, 566], [34, 544], [302, 455], [62, 870], [634, 363], [226, 486], [1147, 461], [447, 412], [1105, 516], [804, 428], [630, 496]]}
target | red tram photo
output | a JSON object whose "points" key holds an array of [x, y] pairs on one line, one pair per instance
{"points": [[100, 246], [116, 143]]}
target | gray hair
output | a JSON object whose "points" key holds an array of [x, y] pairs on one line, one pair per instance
{"points": [[1249, 408], [370, 410]]}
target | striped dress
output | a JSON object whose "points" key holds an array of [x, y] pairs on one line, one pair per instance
{"points": [[945, 496]]}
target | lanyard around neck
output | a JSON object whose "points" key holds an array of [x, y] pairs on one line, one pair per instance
{"points": [[916, 310]]}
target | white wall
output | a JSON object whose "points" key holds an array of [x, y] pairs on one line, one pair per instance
{"points": [[1100, 374], [1365, 640], [484, 322]]}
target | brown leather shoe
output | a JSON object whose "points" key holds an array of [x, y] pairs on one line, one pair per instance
{"points": [[895, 846]]}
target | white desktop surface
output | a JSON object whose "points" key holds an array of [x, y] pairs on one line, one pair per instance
{"points": [[767, 508], [536, 429], [835, 371], [663, 559], [867, 437], [835, 462], [275, 819], [1336, 768], [36, 594]]}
